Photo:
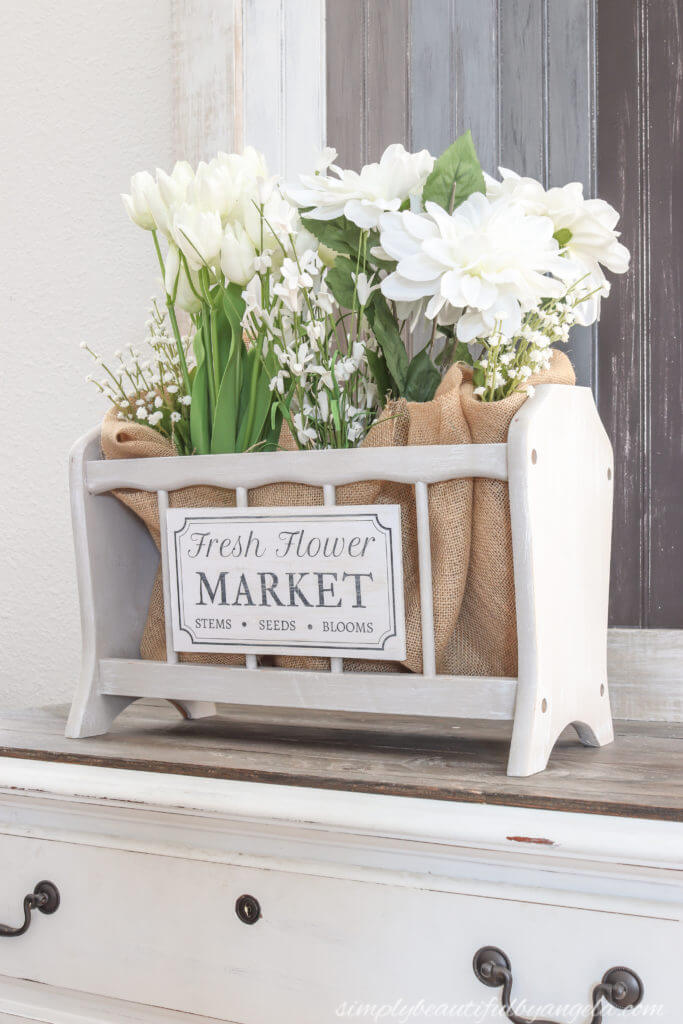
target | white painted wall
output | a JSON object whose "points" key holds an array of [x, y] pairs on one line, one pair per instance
{"points": [[87, 100]]}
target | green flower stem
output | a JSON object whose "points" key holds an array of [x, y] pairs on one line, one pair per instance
{"points": [[172, 317], [179, 345], [208, 357], [214, 352]]}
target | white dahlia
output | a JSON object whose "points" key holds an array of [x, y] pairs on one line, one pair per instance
{"points": [[491, 260], [586, 229], [363, 197]]}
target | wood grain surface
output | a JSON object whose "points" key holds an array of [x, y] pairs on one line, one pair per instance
{"points": [[640, 775], [640, 363]]}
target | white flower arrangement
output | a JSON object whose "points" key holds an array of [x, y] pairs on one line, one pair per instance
{"points": [[301, 298]]}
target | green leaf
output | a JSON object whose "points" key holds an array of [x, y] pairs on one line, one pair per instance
{"points": [[227, 415], [382, 377], [386, 331], [455, 175], [478, 377], [562, 236], [224, 433], [233, 306], [340, 282], [340, 235], [200, 433], [423, 378], [255, 401]]}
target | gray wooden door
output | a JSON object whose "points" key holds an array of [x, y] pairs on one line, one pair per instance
{"points": [[564, 90]]}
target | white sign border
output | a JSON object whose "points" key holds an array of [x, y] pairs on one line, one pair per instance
{"points": [[393, 537]]}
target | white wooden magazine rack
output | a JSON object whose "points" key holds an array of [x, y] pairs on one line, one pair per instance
{"points": [[558, 464]]}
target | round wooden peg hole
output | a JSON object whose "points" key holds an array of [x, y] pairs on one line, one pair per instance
{"points": [[602, 689], [534, 456], [609, 472], [544, 705]]}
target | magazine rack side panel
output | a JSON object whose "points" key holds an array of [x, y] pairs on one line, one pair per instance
{"points": [[116, 563], [561, 481]]}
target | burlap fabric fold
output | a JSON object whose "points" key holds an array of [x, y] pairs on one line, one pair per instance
{"points": [[472, 574], [403, 423]]}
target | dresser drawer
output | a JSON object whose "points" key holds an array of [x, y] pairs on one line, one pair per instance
{"points": [[163, 931]]}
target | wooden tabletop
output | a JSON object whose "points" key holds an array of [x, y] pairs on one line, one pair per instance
{"points": [[640, 775]]}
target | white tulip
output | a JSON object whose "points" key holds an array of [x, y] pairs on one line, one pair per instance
{"points": [[137, 203], [168, 194], [364, 197], [214, 188], [187, 295], [237, 254], [198, 235]]}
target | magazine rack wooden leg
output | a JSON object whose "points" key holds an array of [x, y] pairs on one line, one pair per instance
{"points": [[116, 561], [560, 474]]}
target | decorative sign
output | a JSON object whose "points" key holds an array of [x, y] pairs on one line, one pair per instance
{"points": [[325, 581]]}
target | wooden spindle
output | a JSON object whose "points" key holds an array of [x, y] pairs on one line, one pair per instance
{"points": [[242, 501], [329, 498], [171, 654], [424, 549]]}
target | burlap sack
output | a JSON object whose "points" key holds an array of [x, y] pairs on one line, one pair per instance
{"points": [[405, 423], [484, 642], [472, 571]]}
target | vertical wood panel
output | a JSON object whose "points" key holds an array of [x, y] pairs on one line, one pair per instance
{"points": [[432, 75], [522, 90], [663, 179], [346, 33], [284, 81], [263, 78], [303, 107], [387, 75], [475, 39], [571, 127], [206, 78], [620, 352]]}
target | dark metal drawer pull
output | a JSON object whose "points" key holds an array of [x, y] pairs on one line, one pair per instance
{"points": [[620, 986], [248, 909], [45, 898]]}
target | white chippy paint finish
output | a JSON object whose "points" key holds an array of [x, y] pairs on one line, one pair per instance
{"points": [[283, 45], [87, 101], [207, 77], [560, 479], [352, 887]]}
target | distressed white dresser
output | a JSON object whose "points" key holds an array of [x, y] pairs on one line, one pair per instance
{"points": [[297, 873]]}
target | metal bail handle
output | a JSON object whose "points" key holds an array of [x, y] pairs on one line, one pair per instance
{"points": [[45, 898], [620, 986]]}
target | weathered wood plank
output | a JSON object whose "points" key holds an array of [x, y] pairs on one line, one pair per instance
{"points": [[432, 75], [645, 672], [662, 322], [346, 41], [207, 77], [263, 79], [621, 356], [522, 87], [639, 776], [475, 59], [303, 84], [571, 127], [387, 75]]}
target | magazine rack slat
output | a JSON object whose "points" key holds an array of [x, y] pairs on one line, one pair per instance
{"points": [[558, 464]]}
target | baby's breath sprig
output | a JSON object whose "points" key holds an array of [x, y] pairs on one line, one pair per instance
{"points": [[504, 365], [147, 384]]}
